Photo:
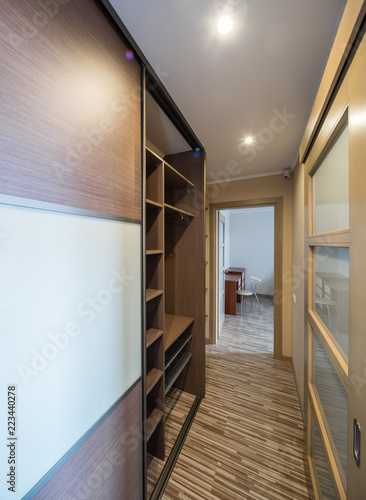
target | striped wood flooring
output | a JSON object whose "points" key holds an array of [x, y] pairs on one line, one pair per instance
{"points": [[247, 438]]}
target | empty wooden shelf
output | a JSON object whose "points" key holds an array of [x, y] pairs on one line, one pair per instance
{"points": [[153, 378], [153, 204], [174, 327], [154, 252], [151, 294], [175, 180], [152, 334], [153, 421]]}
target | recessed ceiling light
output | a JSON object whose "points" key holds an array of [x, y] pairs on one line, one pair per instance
{"points": [[248, 140], [225, 24]]}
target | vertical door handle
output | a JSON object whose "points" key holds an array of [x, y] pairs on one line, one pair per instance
{"points": [[357, 442]]}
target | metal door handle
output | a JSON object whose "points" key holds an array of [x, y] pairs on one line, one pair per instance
{"points": [[357, 442]]}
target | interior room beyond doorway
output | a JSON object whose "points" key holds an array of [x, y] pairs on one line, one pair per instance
{"points": [[245, 249]]}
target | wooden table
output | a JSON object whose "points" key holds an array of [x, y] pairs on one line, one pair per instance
{"points": [[232, 282], [241, 284]]}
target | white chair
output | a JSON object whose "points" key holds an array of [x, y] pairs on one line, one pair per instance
{"points": [[328, 303], [249, 293]]}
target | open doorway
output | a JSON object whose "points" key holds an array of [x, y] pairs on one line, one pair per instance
{"points": [[246, 250], [273, 287]]}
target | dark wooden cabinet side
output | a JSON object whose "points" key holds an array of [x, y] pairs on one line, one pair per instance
{"points": [[185, 266]]}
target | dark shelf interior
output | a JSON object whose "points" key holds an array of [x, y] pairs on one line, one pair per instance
{"points": [[176, 369], [152, 422], [174, 179], [175, 349], [153, 378]]}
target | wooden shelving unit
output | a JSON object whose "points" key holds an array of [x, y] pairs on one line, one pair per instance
{"points": [[155, 369], [175, 237]]}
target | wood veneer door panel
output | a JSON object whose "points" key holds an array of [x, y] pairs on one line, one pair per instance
{"points": [[109, 463], [70, 130]]}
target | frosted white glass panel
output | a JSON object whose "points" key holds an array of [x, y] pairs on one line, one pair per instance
{"points": [[331, 291], [331, 187], [334, 400], [70, 302], [221, 257]]}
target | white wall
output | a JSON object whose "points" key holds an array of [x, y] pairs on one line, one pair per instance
{"points": [[252, 245]]}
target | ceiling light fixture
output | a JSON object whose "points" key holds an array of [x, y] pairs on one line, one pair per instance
{"points": [[225, 23], [248, 140]]}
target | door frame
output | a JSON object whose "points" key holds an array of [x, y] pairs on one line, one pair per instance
{"points": [[277, 203], [221, 218]]}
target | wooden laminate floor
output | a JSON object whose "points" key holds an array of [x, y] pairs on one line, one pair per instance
{"points": [[247, 438]]}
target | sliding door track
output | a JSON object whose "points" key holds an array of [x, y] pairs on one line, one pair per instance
{"points": [[160, 486]]}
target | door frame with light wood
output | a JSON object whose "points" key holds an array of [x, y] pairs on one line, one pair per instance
{"points": [[277, 203], [220, 270]]}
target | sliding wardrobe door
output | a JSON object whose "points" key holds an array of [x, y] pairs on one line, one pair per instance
{"points": [[70, 255], [336, 305]]}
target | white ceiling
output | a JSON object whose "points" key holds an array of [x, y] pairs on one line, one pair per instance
{"points": [[259, 80]]}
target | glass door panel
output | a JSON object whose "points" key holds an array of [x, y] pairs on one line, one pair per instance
{"points": [[329, 260], [334, 401], [331, 291], [322, 472], [336, 204], [222, 231], [331, 187]]}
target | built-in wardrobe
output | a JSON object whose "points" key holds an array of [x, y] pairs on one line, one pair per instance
{"points": [[102, 265]]}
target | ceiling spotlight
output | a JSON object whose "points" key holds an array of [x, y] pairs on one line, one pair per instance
{"points": [[225, 24], [248, 140]]}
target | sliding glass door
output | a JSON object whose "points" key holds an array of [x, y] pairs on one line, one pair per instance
{"points": [[336, 297]]}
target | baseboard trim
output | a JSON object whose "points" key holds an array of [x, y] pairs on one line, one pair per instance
{"points": [[297, 390], [265, 295], [286, 358]]}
